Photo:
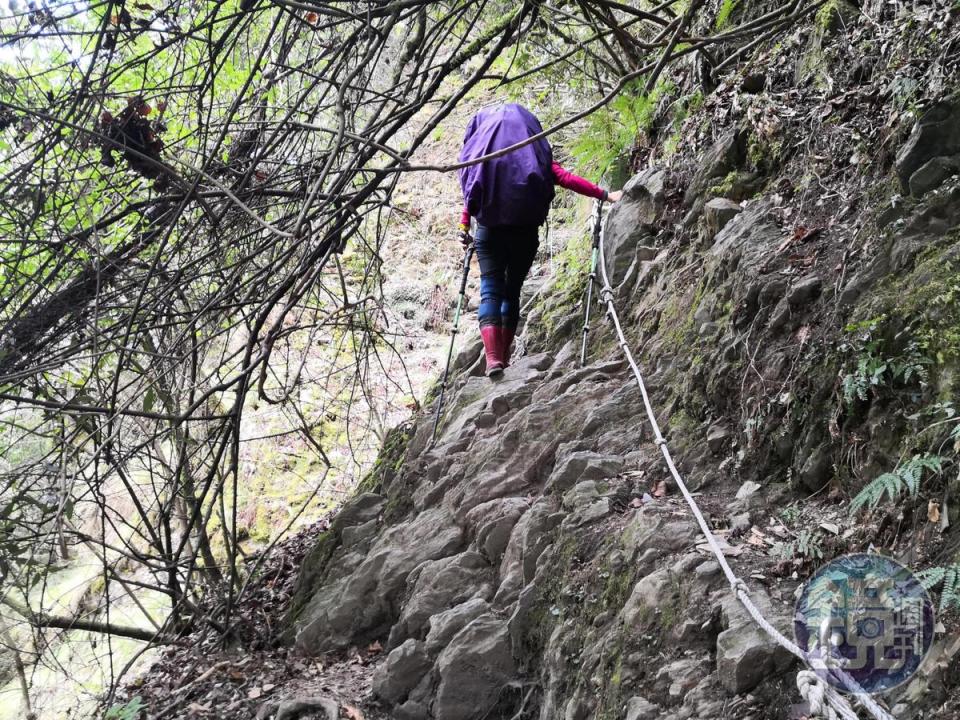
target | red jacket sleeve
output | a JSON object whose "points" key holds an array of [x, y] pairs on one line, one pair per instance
{"points": [[465, 217], [566, 179]]}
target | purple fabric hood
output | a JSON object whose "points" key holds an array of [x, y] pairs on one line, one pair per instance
{"points": [[516, 188]]}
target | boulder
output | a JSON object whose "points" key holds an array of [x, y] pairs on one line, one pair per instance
{"points": [[579, 466], [746, 656], [401, 672], [646, 189], [493, 521], [740, 522], [935, 133], [411, 710], [717, 213], [530, 537], [650, 593], [678, 678], [361, 604], [718, 437], [817, 468], [446, 624], [771, 292], [438, 585], [804, 290], [932, 174], [639, 708], [358, 511], [649, 530], [356, 536], [319, 707], [474, 669], [780, 316], [631, 221], [726, 154]]}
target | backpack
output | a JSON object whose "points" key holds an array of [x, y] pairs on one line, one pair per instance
{"points": [[513, 189]]}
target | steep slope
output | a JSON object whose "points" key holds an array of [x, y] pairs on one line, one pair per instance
{"points": [[786, 266]]}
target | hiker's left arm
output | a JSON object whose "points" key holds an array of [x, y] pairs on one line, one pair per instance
{"points": [[568, 180]]}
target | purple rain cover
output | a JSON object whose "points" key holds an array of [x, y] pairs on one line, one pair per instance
{"points": [[516, 188]]}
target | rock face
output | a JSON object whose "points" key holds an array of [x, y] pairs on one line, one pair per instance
{"points": [[402, 671], [746, 655], [630, 226], [717, 213], [936, 134], [474, 670], [363, 603]]}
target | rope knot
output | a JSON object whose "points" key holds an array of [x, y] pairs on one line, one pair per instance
{"points": [[739, 586], [814, 691]]}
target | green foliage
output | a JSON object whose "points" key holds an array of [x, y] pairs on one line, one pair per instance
{"points": [[684, 106], [723, 15], [949, 579], [870, 367], [389, 460], [613, 130], [807, 546], [905, 476], [790, 514], [128, 711]]}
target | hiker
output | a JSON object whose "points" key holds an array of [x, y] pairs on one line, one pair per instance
{"points": [[510, 197]]}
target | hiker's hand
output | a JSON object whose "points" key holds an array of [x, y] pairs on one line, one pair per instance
{"points": [[614, 195], [464, 235]]}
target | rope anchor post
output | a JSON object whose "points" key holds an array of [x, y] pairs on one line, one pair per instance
{"points": [[453, 338], [592, 280]]}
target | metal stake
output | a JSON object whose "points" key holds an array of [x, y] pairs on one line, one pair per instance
{"points": [[597, 209]]}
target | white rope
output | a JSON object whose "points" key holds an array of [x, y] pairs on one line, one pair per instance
{"points": [[823, 698]]}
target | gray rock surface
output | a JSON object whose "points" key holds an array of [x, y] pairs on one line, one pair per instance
{"points": [[932, 174], [360, 605], [531, 530], [727, 154], [718, 437], [473, 670], [444, 625], [579, 466], [935, 134], [631, 224], [717, 213], [438, 585], [746, 655], [639, 708], [401, 672], [804, 290]]}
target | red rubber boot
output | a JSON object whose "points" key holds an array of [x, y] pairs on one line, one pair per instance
{"points": [[491, 346], [506, 339]]}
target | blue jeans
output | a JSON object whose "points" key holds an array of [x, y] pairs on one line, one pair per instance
{"points": [[505, 254]]}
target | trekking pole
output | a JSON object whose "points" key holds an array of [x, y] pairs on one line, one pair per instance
{"points": [[453, 337], [597, 208]]}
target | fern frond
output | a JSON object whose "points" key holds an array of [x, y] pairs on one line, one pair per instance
{"points": [[931, 577], [892, 484], [950, 594], [910, 472]]}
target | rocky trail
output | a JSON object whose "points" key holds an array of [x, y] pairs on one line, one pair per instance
{"points": [[777, 274]]}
